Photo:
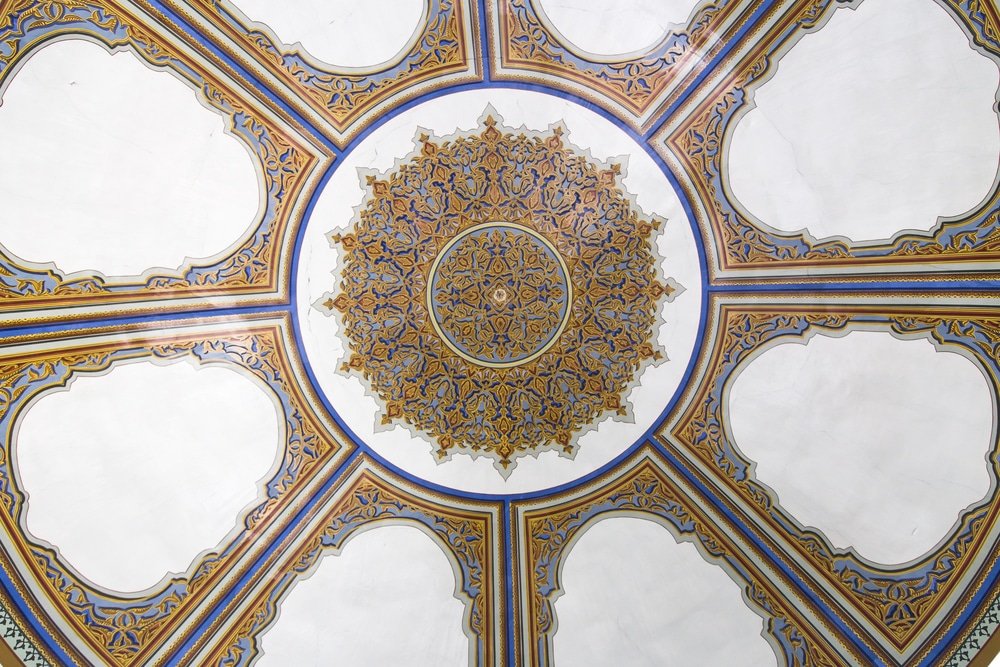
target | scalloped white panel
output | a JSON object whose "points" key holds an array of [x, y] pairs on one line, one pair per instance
{"points": [[134, 473], [345, 33], [119, 168], [880, 122], [880, 443], [615, 27], [635, 597], [386, 599]]}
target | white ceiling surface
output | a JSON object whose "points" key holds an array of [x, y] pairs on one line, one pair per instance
{"points": [[170, 454], [615, 27], [882, 121], [387, 599], [119, 168], [878, 442], [347, 33], [335, 209], [654, 603]]}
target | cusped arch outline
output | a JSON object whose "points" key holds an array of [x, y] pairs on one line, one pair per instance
{"points": [[287, 169], [341, 101], [695, 142], [127, 629], [898, 605], [366, 499], [802, 331], [261, 33], [641, 488], [696, 18], [635, 86]]}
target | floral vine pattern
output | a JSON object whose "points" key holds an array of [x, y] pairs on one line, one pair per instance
{"points": [[499, 294], [551, 532], [899, 603], [122, 629], [512, 185], [345, 98], [527, 44], [283, 164]]}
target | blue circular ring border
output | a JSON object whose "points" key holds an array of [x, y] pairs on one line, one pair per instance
{"points": [[702, 264]]}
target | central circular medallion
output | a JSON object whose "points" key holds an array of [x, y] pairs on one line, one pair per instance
{"points": [[499, 294]]}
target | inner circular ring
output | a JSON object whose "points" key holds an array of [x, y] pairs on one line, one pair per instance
{"points": [[500, 295]]}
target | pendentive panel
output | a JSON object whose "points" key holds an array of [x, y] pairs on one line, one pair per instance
{"points": [[637, 87], [546, 531], [368, 497]]}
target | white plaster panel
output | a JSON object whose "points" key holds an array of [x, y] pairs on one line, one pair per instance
{"points": [[616, 27], [387, 599], [882, 121], [345, 33], [878, 442], [119, 168], [635, 597], [134, 473]]}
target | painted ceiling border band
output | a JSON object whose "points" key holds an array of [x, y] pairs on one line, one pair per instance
{"points": [[982, 638], [18, 634]]}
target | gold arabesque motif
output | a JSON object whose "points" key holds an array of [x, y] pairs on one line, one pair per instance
{"points": [[499, 292]]}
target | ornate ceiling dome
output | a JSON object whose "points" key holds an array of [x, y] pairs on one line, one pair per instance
{"points": [[499, 332]]}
